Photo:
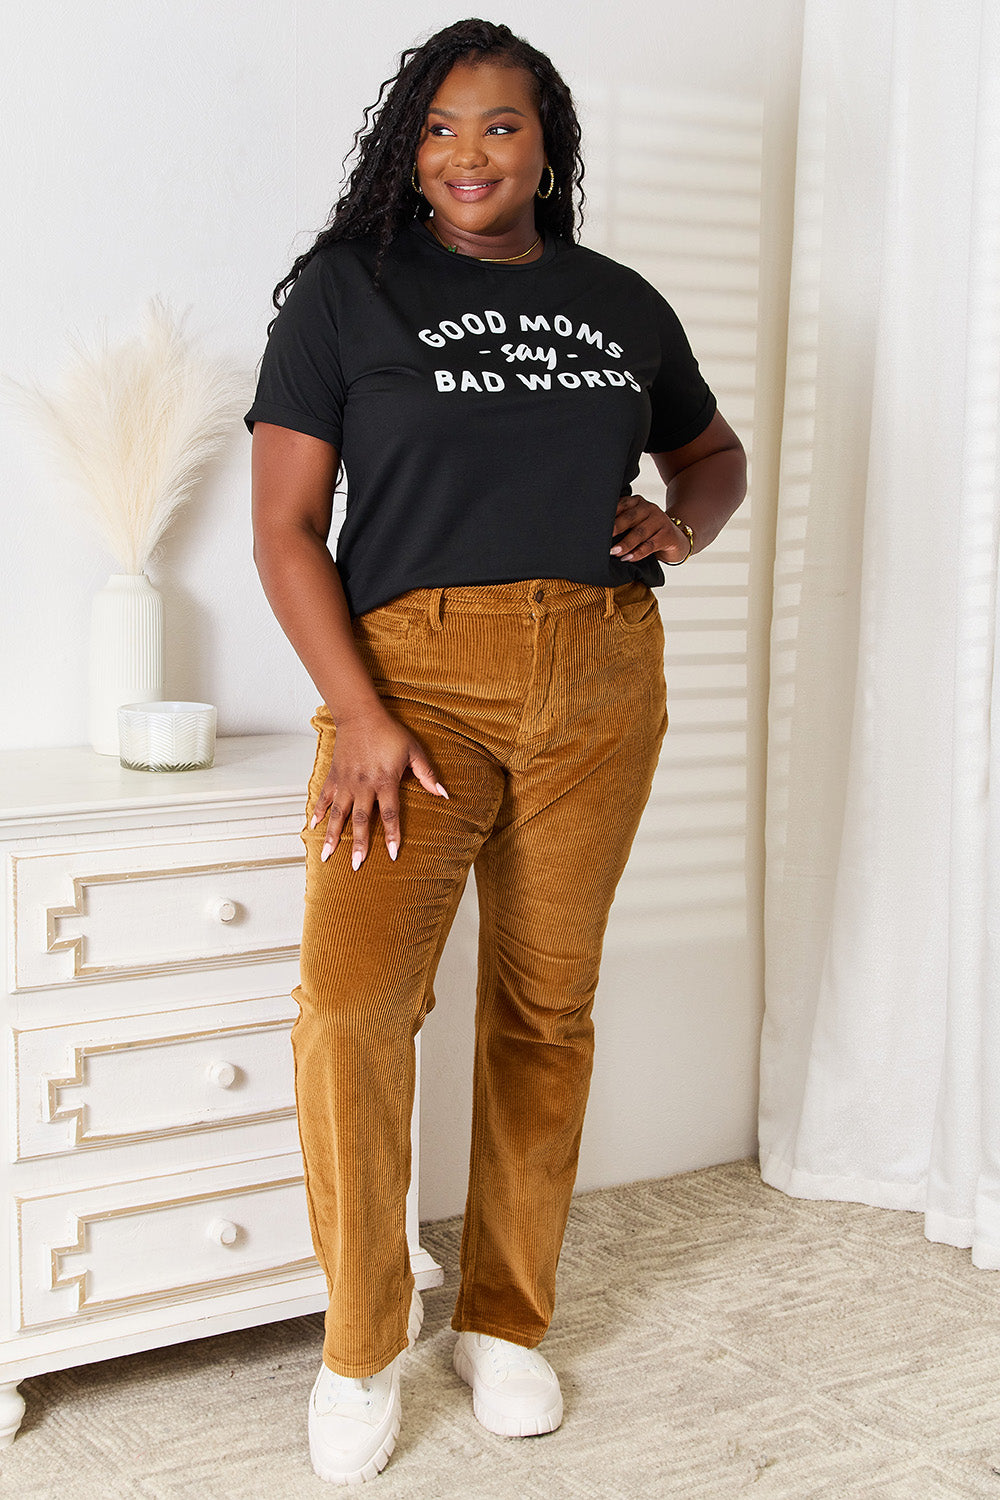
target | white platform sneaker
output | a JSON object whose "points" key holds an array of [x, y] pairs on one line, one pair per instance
{"points": [[515, 1391], [354, 1421]]}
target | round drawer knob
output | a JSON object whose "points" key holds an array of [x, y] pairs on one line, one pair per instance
{"points": [[222, 1074], [223, 1231], [226, 910]]}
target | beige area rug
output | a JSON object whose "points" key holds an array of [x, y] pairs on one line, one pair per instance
{"points": [[714, 1339]]}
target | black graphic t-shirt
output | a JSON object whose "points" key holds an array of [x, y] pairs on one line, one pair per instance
{"points": [[488, 416]]}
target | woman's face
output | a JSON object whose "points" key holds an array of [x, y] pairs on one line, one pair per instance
{"points": [[481, 153]]}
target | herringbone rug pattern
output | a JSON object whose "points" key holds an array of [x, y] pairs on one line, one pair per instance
{"points": [[714, 1339]]}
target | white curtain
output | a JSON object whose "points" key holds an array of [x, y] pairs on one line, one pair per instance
{"points": [[880, 1068]]}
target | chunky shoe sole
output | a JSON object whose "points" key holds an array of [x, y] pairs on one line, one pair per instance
{"points": [[493, 1417]]}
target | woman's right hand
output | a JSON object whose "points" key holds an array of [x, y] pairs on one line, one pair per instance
{"points": [[293, 483], [372, 754]]}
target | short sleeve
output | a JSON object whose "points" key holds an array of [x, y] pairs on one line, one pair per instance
{"points": [[301, 382], [683, 405]]}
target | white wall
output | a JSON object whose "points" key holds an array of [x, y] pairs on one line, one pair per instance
{"points": [[190, 149]]}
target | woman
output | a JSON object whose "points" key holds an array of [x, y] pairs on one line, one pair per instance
{"points": [[490, 661]]}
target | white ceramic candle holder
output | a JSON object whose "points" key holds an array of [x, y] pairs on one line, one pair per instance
{"points": [[166, 736]]}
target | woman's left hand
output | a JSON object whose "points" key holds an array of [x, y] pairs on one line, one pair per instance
{"points": [[642, 529]]}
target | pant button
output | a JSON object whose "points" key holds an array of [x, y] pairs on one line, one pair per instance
{"points": [[539, 595]]}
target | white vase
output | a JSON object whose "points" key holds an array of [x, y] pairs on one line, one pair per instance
{"points": [[126, 653]]}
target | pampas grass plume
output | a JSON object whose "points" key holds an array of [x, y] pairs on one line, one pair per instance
{"points": [[133, 425]]}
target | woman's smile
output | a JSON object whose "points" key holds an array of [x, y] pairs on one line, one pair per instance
{"points": [[470, 192]]}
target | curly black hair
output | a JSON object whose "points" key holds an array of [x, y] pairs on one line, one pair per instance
{"points": [[379, 199]]}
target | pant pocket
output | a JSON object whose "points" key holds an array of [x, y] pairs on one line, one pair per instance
{"points": [[637, 610], [326, 738]]}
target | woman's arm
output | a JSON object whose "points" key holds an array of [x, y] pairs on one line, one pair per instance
{"points": [[293, 481], [706, 481]]}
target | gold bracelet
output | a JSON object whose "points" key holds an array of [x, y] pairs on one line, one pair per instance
{"points": [[682, 526]]}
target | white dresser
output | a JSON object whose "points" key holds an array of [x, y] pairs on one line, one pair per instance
{"points": [[151, 1176]]}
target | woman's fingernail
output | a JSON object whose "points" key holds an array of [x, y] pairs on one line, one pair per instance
{"points": [[393, 848], [615, 551], [441, 791], [312, 821], [356, 859], [327, 851]]}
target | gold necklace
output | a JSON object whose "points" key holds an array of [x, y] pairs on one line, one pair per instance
{"points": [[493, 259]]}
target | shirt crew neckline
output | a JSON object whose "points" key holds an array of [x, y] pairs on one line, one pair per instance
{"points": [[428, 238]]}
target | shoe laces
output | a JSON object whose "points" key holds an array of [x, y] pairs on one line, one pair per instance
{"points": [[346, 1390], [508, 1358]]}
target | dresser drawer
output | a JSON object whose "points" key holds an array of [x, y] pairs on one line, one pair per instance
{"points": [[114, 1249], [95, 914], [107, 1083]]}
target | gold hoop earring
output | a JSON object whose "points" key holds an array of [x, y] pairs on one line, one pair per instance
{"points": [[552, 183], [413, 180]]}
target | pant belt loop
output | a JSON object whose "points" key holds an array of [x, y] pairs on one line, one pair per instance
{"points": [[609, 603], [434, 608]]}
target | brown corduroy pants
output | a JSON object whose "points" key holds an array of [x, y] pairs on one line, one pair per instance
{"points": [[542, 706]]}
